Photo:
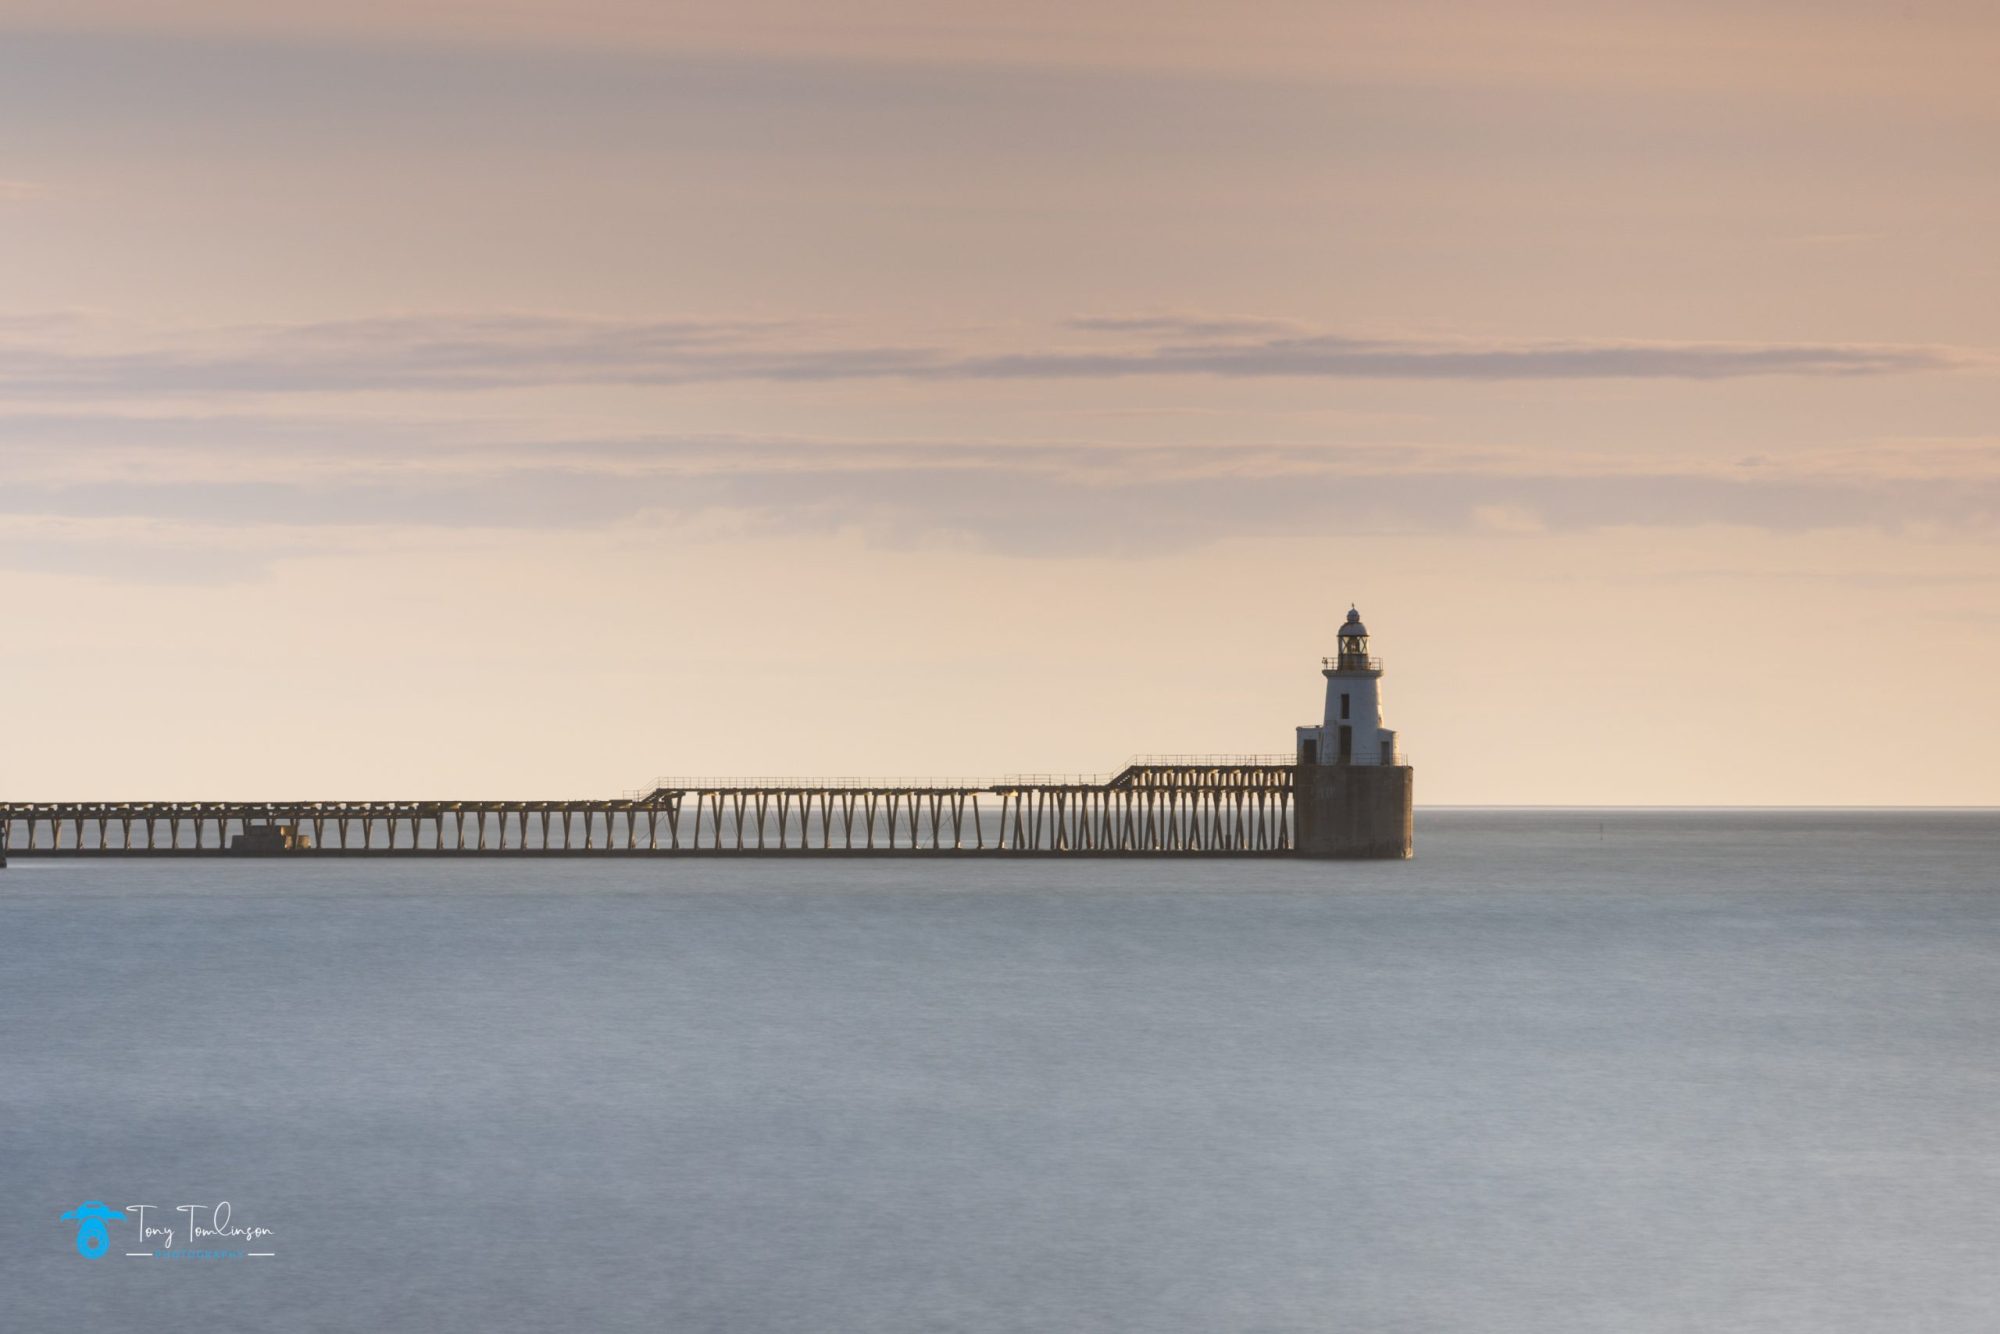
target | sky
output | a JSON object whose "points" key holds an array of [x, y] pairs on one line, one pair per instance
{"points": [[520, 398]]}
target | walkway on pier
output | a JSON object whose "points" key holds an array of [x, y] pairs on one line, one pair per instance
{"points": [[1167, 805]]}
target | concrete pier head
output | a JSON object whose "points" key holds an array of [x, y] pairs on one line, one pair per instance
{"points": [[1352, 810]]}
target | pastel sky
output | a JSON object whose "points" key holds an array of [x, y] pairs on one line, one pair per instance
{"points": [[524, 398]]}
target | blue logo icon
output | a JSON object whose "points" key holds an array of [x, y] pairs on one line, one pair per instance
{"points": [[90, 1217]]}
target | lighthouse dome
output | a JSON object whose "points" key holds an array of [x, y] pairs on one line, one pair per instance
{"points": [[1354, 625]]}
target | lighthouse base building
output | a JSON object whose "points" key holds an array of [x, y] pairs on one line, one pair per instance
{"points": [[1352, 810], [1353, 795]]}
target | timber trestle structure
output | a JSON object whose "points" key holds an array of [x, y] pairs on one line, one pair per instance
{"points": [[1165, 806]]}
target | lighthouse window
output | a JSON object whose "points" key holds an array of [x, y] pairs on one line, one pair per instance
{"points": [[1344, 706]]}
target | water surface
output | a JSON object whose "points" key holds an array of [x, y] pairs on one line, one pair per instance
{"points": [[1565, 1071]]}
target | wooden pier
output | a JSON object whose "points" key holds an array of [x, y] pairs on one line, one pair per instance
{"points": [[1233, 806]]}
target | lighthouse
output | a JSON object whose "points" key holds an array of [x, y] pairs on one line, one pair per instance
{"points": [[1351, 730], [1352, 793]]}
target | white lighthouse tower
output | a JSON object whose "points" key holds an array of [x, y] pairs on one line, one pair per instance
{"points": [[1351, 731]]}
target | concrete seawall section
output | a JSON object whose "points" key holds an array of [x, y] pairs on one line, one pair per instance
{"points": [[1353, 810]]}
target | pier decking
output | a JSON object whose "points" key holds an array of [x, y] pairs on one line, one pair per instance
{"points": [[1156, 806]]}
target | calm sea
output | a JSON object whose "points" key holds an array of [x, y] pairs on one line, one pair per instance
{"points": [[1603, 1071]]}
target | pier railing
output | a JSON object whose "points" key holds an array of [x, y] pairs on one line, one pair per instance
{"points": [[793, 783], [1234, 809], [1211, 761]]}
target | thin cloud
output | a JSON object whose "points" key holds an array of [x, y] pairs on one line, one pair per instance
{"points": [[1188, 326], [1329, 356], [1037, 501], [464, 354]]}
